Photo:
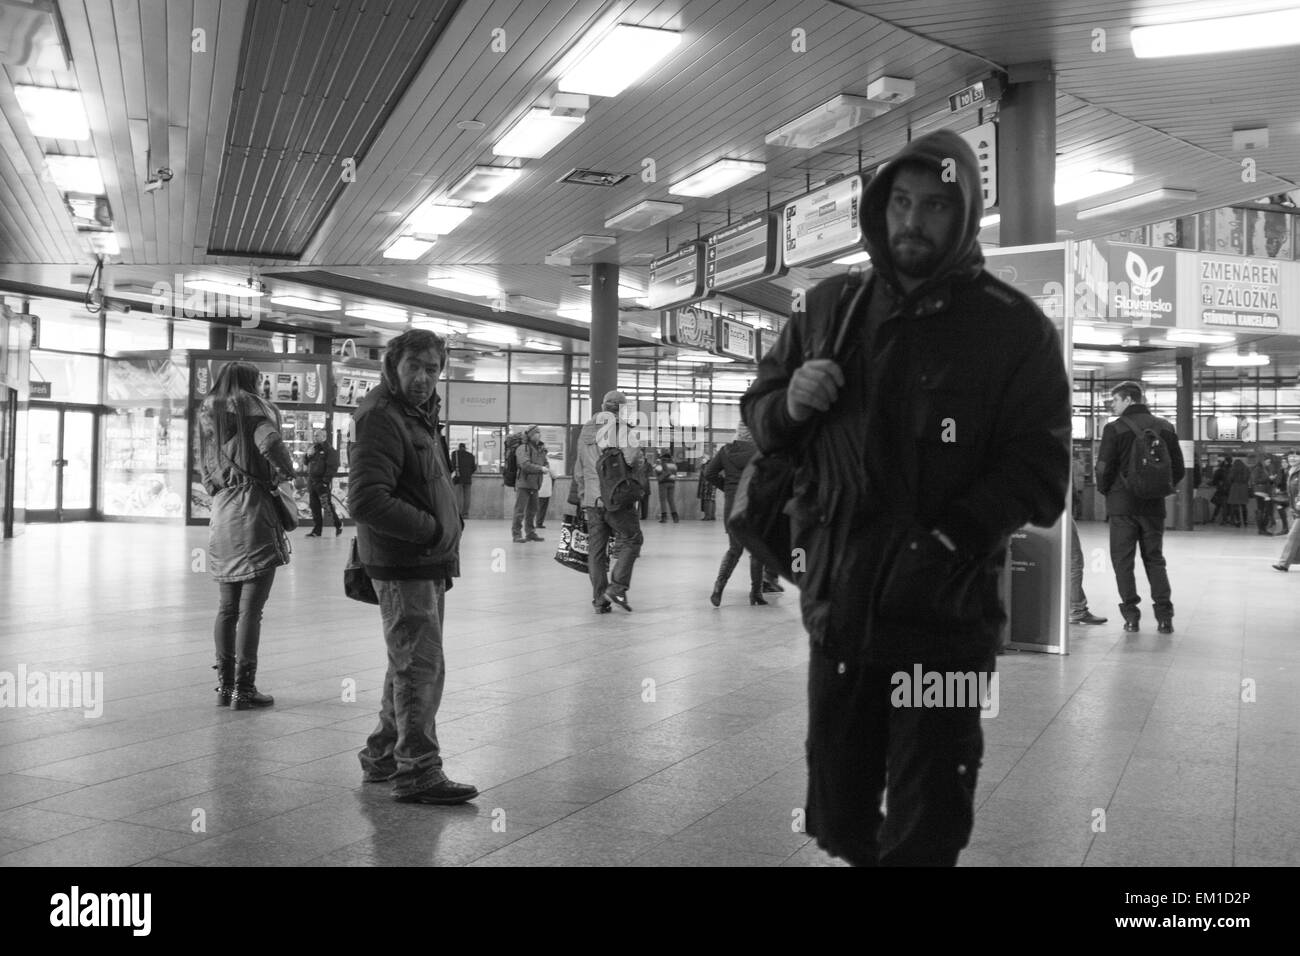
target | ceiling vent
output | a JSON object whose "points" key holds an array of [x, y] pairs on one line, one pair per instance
{"points": [[592, 177]]}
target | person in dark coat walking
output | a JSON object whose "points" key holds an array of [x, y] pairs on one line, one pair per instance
{"points": [[322, 461], [723, 471], [1238, 492], [243, 457], [1136, 524], [939, 428]]}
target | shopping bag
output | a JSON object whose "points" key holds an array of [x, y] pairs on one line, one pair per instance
{"points": [[572, 548]]}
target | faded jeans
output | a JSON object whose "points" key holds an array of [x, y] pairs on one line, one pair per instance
{"points": [[404, 747], [1078, 600]]}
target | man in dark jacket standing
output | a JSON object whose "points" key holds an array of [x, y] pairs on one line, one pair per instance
{"points": [[463, 467], [1136, 523], [940, 428], [408, 534], [322, 461]]}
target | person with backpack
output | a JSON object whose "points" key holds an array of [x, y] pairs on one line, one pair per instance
{"points": [[666, 473], [1139, 464], [322, 464], [610, 489], [531, 461]]}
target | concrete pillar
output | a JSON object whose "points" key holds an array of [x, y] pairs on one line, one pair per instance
{"points": [[1186, 428], [1027, 156], [604, 330]]}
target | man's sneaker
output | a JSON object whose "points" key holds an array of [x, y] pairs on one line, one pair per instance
{"points": [[312, 534], [1279, 567], [1165, 626], [446, 793], [618, 597], [604, 608], [534, 536], [1087, 617], [519, 540]]}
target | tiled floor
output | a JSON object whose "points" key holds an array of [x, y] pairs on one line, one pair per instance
{"points": [[669, 737]]}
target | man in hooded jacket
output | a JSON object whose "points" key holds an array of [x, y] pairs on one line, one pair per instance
{"points": [[940, 427], [408, 535]]}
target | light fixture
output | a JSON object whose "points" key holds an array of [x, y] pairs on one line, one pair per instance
{"points": [[618, 60], [541, 130], [891, 90], [407, 247], [431, 218], [475, 288], [53, 113], [853, 259], [1198, 337], [494, 335], [1087, 335], [1255, 31], [1070, 188], [1163, 194], [624, 291], [1161, 378], [577, 315], [644, 215], [1221, 359], [584, 247], [717, 177], [483, 183], [824, 123], [376, 313], [75, 174], [702, 358], [990, 220], [541, 346], [238, 290], [1100, 358], [299, 302]]}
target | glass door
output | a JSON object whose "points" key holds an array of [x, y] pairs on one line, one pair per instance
{"points": [[60, 464]]}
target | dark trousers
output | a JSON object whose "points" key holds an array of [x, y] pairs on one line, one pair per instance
{"points": [[668, 498], [238, 629], [319, 495], [1131, 535], [624, 527], [543, 504], [732, 558], [464, 499], [925, 760]]}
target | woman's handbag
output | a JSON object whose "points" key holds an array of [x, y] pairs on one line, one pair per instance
{"points": [[572, 549], [285, 507], [356, 583], [758, 518]]}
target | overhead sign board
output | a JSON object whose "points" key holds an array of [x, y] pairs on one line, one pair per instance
{"points": [[736, 340], [983, 139], [742, 253], [1240, 293], [977, 94], [823, 224], [677, 278], [690, 329], [1142, 285]]}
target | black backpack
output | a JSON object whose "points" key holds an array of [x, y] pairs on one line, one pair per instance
{"points": [[510, 467], [1149, 474], [620, 486]]}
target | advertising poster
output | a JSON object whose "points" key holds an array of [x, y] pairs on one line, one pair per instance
{"points": [[351, 385], [1240, 293], [1268, 234], [288, 387]]}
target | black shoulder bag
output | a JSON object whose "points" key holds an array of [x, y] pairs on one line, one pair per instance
{"points": [[758, 518]]}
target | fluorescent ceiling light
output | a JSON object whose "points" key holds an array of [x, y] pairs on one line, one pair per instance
{"points": [[542, 346], [1163, 194], [496, 336], [702, 358], [824, 123], [298, 302], [407, 247], [853, 259], [717, 177], [624, 291], [226, 287], [1161, 378], [376, 313], [475, 288], [644, 215], [618, 60], [577, 315], [539, 132], [1070, 188], [53, 114], [990, 220], [76, 174], [431, 218], [1256, 31], [1087, 335], [583, 245], [1219, 359], [445, 326], [1195, 335], [483, 183], [1100, 358]]}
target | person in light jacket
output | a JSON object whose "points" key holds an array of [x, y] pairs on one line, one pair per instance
{"points": [[544, 490], [243, 457]]}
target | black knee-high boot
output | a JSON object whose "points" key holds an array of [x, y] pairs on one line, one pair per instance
{"points": [[729, 562], [755, 582]]}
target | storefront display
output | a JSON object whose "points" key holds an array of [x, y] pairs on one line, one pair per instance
{"points": [[142, 473]]}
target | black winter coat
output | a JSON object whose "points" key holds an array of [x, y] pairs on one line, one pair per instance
{"points": [[1116, 448], [400, 491]]}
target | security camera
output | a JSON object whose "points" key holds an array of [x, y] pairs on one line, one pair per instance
{"points": [[164, 173]]}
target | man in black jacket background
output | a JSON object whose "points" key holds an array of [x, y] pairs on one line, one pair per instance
{"points": [[1136, 524], [940, 428], [322, 462]]}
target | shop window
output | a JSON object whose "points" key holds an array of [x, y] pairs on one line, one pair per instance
{"points": [[187, 334], [72, 378], [65, 327], [134, 333], [529, 369]]}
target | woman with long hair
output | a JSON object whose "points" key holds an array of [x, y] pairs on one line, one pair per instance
{"points": [[241, 454]]}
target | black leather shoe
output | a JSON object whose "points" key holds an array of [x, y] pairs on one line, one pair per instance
{"points": [[1088, 618], [1279, 567], [619, 598], [534, 536], [519, 540], [1165, 627], [447, 793], [1131, 626], [338, 530], [603, 608], [312, 534]]}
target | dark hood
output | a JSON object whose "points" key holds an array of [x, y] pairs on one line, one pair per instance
{"points": [[931, 150]]}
